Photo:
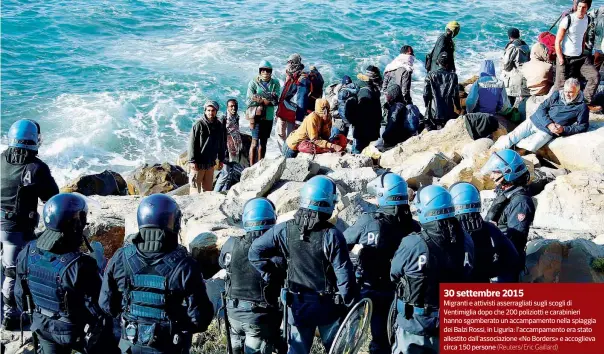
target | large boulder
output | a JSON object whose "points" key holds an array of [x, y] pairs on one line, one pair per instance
{"points": [[420, 169], [476, 147], [334, 161], [286, 197], [104, 183], [353, 180], [574, 202], [299, 170], [452, 138], [349, 209], [256, 181], [157, 178], [579, 152], [551, 261]]}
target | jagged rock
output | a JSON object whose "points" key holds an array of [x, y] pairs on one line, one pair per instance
{"points": [[533, 159], [536, 233], [599, 240], [353, 180], [574, 202], [299, 170], [543, 176], [256, 181], [464, 172], [104, 183], [452, 138], [348, 210], [286, 197], [476, 147], [333, 161], [579, 152], [150, 179], [180, 191], [551, 261], [182, 161], [420, 169], [205, 248]]}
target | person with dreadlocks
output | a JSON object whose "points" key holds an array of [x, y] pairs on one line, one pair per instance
{"points": [[252, 303], [496, 258], [513, 209], [25, 179], [320, 279], [440, 253]]}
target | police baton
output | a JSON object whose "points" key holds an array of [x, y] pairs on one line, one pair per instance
{"points": [[30, 312], [227, 326]]}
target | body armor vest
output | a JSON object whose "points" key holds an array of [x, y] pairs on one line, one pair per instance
{"points": [[245, 282], [45, 272], [19, 200], [308, 268], [379, 246]]}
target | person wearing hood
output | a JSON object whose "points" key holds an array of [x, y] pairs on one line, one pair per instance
{"points": [[320, 283], [539, 75], [231, 171], [564, 113], [398, 128], [444, 44], [441, 95], [207, 143], [488, 94], [316, 130], [57, 282], [516, 53], [378, 235], [440, 253], [369, 111], [154, 286], [399, 71], [496, 259], [293, 101], [262, 97], [25, 179]]}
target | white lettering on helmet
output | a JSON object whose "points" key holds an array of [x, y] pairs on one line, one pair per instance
{"points": [[421, 261]]}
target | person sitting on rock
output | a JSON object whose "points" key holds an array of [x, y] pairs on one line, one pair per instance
{"points": [[398, 127], [441, 95], [564, 113], [313, 134], [231, 171], [488, 94], [539, 75]]}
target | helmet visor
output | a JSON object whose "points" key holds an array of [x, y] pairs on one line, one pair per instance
{"points": [[496, 164]]}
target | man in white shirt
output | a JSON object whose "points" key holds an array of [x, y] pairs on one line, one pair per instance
{"points": [[571, 59]]}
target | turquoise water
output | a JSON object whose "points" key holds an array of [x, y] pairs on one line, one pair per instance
{"points": [[117, 83]]}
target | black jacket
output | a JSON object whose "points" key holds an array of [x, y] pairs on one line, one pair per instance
{"points": [[207, 143], [444, 43], [369, 117], [441, 96]]}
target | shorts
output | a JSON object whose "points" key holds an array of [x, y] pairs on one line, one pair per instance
{"points": [[262, 130]]}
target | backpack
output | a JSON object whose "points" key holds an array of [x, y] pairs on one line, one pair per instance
{"points": [[348, 103], [413, 118], [548, 39]]}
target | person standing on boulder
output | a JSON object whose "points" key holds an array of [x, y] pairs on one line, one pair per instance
{"points": [[571, 59], [496, 259], [441, 95], [207, 144], [444, 44], [159, 281], [399, 72], [262, 97], [25, 178], [320, 283], [231, 171], [369, 109], [513, 209], [516, 53], [378, 235], [252, 304]]}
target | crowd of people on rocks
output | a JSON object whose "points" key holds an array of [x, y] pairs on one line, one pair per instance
{"points": [[303, 266]]}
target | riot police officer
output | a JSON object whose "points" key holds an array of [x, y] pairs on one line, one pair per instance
{"points": [[379, 235], [513, 209], [57, 282], [440, 253], [496, 259], [25, 178], [154, 285], [320, 276], [252, 304]]}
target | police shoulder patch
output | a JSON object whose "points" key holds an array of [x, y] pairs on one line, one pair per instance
{"points": [[521, 217]]}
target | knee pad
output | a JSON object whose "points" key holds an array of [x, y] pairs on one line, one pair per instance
{"points": [[10, 272]]}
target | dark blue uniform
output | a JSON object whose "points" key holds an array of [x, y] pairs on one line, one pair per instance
{"points": [[421, 263], [496, 258], [252, 304], [161, 297], [320, 278], [513, 211], [50, 280], [379, 234]]}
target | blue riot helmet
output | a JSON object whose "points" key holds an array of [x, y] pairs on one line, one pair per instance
{"points": [[159, 211], [434, 203], [64, 214], [508, 163], [466, 198], [24, 134], [258, 215], [319, 194], [391, 190]]}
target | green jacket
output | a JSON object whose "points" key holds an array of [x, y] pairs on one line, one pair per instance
{"points": [[272, 94]]}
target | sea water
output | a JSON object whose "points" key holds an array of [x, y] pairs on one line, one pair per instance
{"points": [[118, 83]]}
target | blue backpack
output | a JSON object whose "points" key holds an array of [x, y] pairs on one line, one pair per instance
{"points": [[348, 103], [413, 119]]}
